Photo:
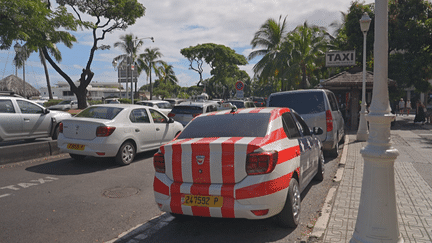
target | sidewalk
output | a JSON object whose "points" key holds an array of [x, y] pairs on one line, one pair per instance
{"points": [[413, 181]]}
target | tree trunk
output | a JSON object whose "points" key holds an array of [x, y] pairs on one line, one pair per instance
{"points": [[46, 74]]}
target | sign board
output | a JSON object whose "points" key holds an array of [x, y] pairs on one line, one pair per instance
{"points": [[239, 85], [240, 94], [124, 75], [340, 58]]}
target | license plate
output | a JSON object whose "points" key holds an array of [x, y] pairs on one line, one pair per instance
{"points": [[203, 201], [75, 146]]}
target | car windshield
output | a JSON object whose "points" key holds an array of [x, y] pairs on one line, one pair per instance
{"points": [[229, 125], [164, 105], [100, 112], [302, 103], [187, 109]]}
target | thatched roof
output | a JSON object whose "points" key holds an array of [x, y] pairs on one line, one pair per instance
{"points": [[352, 78], [15, 84]]}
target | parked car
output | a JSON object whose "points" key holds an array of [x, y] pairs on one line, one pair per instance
{"points": [[162, 105], [259, 101], [242, 103], [188, 110], [116, 130], [22, 119], [319, 108], [111, 101], [65, 105], [239, 164], [174, 101]]}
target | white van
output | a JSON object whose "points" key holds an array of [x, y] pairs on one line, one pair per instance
{"points": [[319, 108]]}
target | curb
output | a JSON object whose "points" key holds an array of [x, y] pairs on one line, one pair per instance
{"points": [[21, 152], [322, 221]]}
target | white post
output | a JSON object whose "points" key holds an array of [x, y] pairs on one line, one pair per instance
{"points": [[377, 219], [362, 132]]}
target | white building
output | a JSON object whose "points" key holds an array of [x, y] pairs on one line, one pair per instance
{"points": [[95, 90]]}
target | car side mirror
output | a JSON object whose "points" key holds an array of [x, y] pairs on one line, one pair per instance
{"points": [[170, 120], [46, 111], [317, 131]]}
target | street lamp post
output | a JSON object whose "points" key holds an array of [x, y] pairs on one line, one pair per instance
{"points": [[114, 63], [377, 219], [18, 49], [362, 132]]}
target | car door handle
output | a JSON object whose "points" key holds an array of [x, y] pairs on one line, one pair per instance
{"points": [[26, 119], [137, 130], [157, 129]]}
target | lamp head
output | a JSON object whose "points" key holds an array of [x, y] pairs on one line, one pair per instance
{"points": [[114, 63], [365, 22]]}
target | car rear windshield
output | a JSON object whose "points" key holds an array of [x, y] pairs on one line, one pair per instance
{"points": [[100, 112], [179, 109], [238, 104], [302, 103], [229, 125]]}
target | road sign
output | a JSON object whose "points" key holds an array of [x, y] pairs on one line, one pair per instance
{"points": [[239, 85], [240, 94]]}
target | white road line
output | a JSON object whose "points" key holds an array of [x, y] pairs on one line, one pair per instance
{"points": [[4, 195]]}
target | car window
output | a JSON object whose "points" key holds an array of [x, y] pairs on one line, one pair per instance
{"points": [[290, 126], [29, 108], [303, 127], [179, 109], [100, 112], [211, 108], [237, 125], [157, 116], [164, 105], [238, 104], [6, 106], [303, 103], [333, 102], [139, 116]]}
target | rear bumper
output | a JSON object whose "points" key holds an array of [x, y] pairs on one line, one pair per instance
{"points": [[238, 200], [92, 147]]}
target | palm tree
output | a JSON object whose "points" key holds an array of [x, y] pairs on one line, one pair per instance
{"points": [[148, 61], [130, 45], [166, 73], [275, 51], [309, 45]]}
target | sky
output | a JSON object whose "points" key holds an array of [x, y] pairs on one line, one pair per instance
{"points": [[177, 24]]}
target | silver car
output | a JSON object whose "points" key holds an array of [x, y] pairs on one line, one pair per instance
{"points": [[22, 119], [186, 111], [319, 108]]}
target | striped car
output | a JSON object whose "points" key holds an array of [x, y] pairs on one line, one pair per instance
{"points": [[247, 163]]}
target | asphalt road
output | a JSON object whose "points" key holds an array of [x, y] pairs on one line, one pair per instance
{"points": [[58, 199]]}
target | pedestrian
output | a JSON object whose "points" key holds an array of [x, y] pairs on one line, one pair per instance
{"points": [[401, 106], [408, 107], [420, 113]]}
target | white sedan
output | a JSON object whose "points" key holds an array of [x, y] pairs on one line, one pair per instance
{"points": [[116, 130], [162, 105]]}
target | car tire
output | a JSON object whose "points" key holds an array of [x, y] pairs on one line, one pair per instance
{"points": [[77, 156], [55, 133], [335, 151], [320, 174], [289, 217], [126, 154]]}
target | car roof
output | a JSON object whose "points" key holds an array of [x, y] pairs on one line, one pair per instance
{"points": [[194, 103], [273, 110], [300, 91]]}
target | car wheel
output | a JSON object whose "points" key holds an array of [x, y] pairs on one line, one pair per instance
{"points": [[289, 217], [320, 174], [335, 151], [55, 133], [126, 154], [77, 156]]}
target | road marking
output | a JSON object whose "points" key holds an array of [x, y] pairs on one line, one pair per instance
{"points": [[22, 185]]}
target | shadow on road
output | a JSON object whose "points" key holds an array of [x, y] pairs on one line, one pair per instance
{"points": [[69, 166]]}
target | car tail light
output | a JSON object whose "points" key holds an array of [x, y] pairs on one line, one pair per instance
{"points": [[159, 162], [260, 212], [104, 131], [61, 127], [171, 114], [196, 114], [261, 163], [329, 121]]}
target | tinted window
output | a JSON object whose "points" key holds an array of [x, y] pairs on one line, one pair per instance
{"points": [[6, 106], [187, 109], [303, 127], [303, 103], [157, 116], [238, 104], [139, 116], [100, 112], [332, 100], [29, 108], [290, 126], [230, 125]]}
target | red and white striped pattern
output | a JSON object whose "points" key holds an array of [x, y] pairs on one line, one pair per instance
{"points": [[223, 172]]}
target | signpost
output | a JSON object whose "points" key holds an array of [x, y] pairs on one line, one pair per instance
{"points": [[239, 87]]}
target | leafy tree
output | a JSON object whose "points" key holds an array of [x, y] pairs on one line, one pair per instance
{"points": [[109, 15], [149, 61], [222, 60]]}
